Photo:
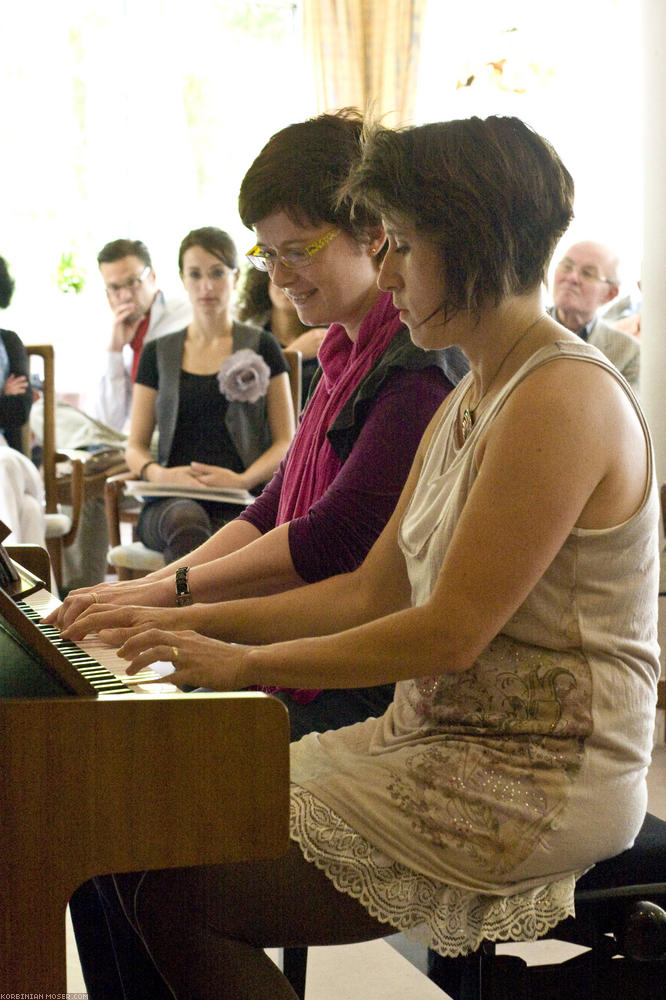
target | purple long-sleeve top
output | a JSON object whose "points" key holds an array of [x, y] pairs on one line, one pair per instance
{"points": [[339, 529]]}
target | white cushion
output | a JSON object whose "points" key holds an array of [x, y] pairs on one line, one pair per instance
{"points": [[57, 525], [135, 556]]}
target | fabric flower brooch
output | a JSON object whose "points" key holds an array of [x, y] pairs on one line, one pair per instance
{"points": [[244, 376]]}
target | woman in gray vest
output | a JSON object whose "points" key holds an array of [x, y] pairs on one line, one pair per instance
{"points": [[218, 393]]}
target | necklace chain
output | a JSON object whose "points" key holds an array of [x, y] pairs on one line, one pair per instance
{"points": [[469, 412]]}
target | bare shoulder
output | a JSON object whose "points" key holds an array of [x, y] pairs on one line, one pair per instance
{"points": [[577, 390], [572, 421]]}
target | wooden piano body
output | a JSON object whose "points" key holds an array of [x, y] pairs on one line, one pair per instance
{"points": [[93, 785]]}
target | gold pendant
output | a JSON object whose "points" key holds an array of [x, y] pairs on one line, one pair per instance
{"points": [[467, 423]]}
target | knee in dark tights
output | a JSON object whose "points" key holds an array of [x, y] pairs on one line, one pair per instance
{"points": [[174, 527]]}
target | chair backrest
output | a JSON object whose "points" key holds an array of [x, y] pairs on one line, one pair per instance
{"points": [[295, 361], [61, 529], [47, 354]]}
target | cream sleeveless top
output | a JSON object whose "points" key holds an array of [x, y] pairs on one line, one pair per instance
{"points": [[469, 809]]}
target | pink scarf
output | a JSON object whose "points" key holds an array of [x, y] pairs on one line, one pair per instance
{"points": [[312, 464]]}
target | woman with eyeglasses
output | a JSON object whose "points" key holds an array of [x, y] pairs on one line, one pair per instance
{"points": [[371, 400], [219, 395]]}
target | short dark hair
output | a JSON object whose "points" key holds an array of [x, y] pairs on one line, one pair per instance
{"points": [[7, 284], [119, 249], [300, 170], [493, 196], [214, 241]]}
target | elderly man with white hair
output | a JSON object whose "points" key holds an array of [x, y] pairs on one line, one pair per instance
{"points": [[585, 279]]}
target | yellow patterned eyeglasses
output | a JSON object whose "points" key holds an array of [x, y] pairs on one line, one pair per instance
{"points": [[265, 260]]}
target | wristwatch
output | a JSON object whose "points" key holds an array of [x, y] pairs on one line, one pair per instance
{"points": [[183, 595]]}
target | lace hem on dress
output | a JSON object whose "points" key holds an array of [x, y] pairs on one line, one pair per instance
{"points": [[450, 920]]}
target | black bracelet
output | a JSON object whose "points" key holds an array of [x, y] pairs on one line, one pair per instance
{"points": [[183, 595], [145, 465]]}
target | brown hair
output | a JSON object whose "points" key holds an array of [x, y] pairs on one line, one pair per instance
{"points": [[299, 171], [119, 249], [214, 241], [493, 196], [7, 284]]}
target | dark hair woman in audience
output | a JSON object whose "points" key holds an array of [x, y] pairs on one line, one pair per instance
{"points": [[219, 394], [512, 596], [264, 304], [371, 402], [21, 490]]}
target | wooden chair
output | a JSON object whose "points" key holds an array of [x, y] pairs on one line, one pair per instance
{"points": [[133, 560], [68, 490]]}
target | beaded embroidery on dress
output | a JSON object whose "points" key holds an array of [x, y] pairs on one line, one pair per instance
{"points": [[448, 919]]}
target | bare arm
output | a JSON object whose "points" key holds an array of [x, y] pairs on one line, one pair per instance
{"points": [[137, 453], [586, 466], [329, 603], [210, 578], [142, 425], [333, 537]]}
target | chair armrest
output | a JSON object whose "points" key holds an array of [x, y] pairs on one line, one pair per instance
{"points": [[94, 474]]}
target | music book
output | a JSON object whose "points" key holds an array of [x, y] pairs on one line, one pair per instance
{"points": [[146, 490], [16, 580]]}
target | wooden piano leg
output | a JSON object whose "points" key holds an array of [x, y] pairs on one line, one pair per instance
{"points": [[32, 935]]}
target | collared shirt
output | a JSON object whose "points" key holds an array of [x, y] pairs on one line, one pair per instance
{"points": [[583, 332]]}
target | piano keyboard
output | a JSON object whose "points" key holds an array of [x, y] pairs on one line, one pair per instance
{"points": [[97, 663]]}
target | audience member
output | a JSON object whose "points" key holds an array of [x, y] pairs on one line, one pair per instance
{"points": [[141, 313], [218, 392], [584, 280], [16, 399], [264, 304], [512, 597], [21, 489]]}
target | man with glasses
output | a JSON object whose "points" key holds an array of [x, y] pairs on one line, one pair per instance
{"points": [[585, 279], [140, 313]]}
